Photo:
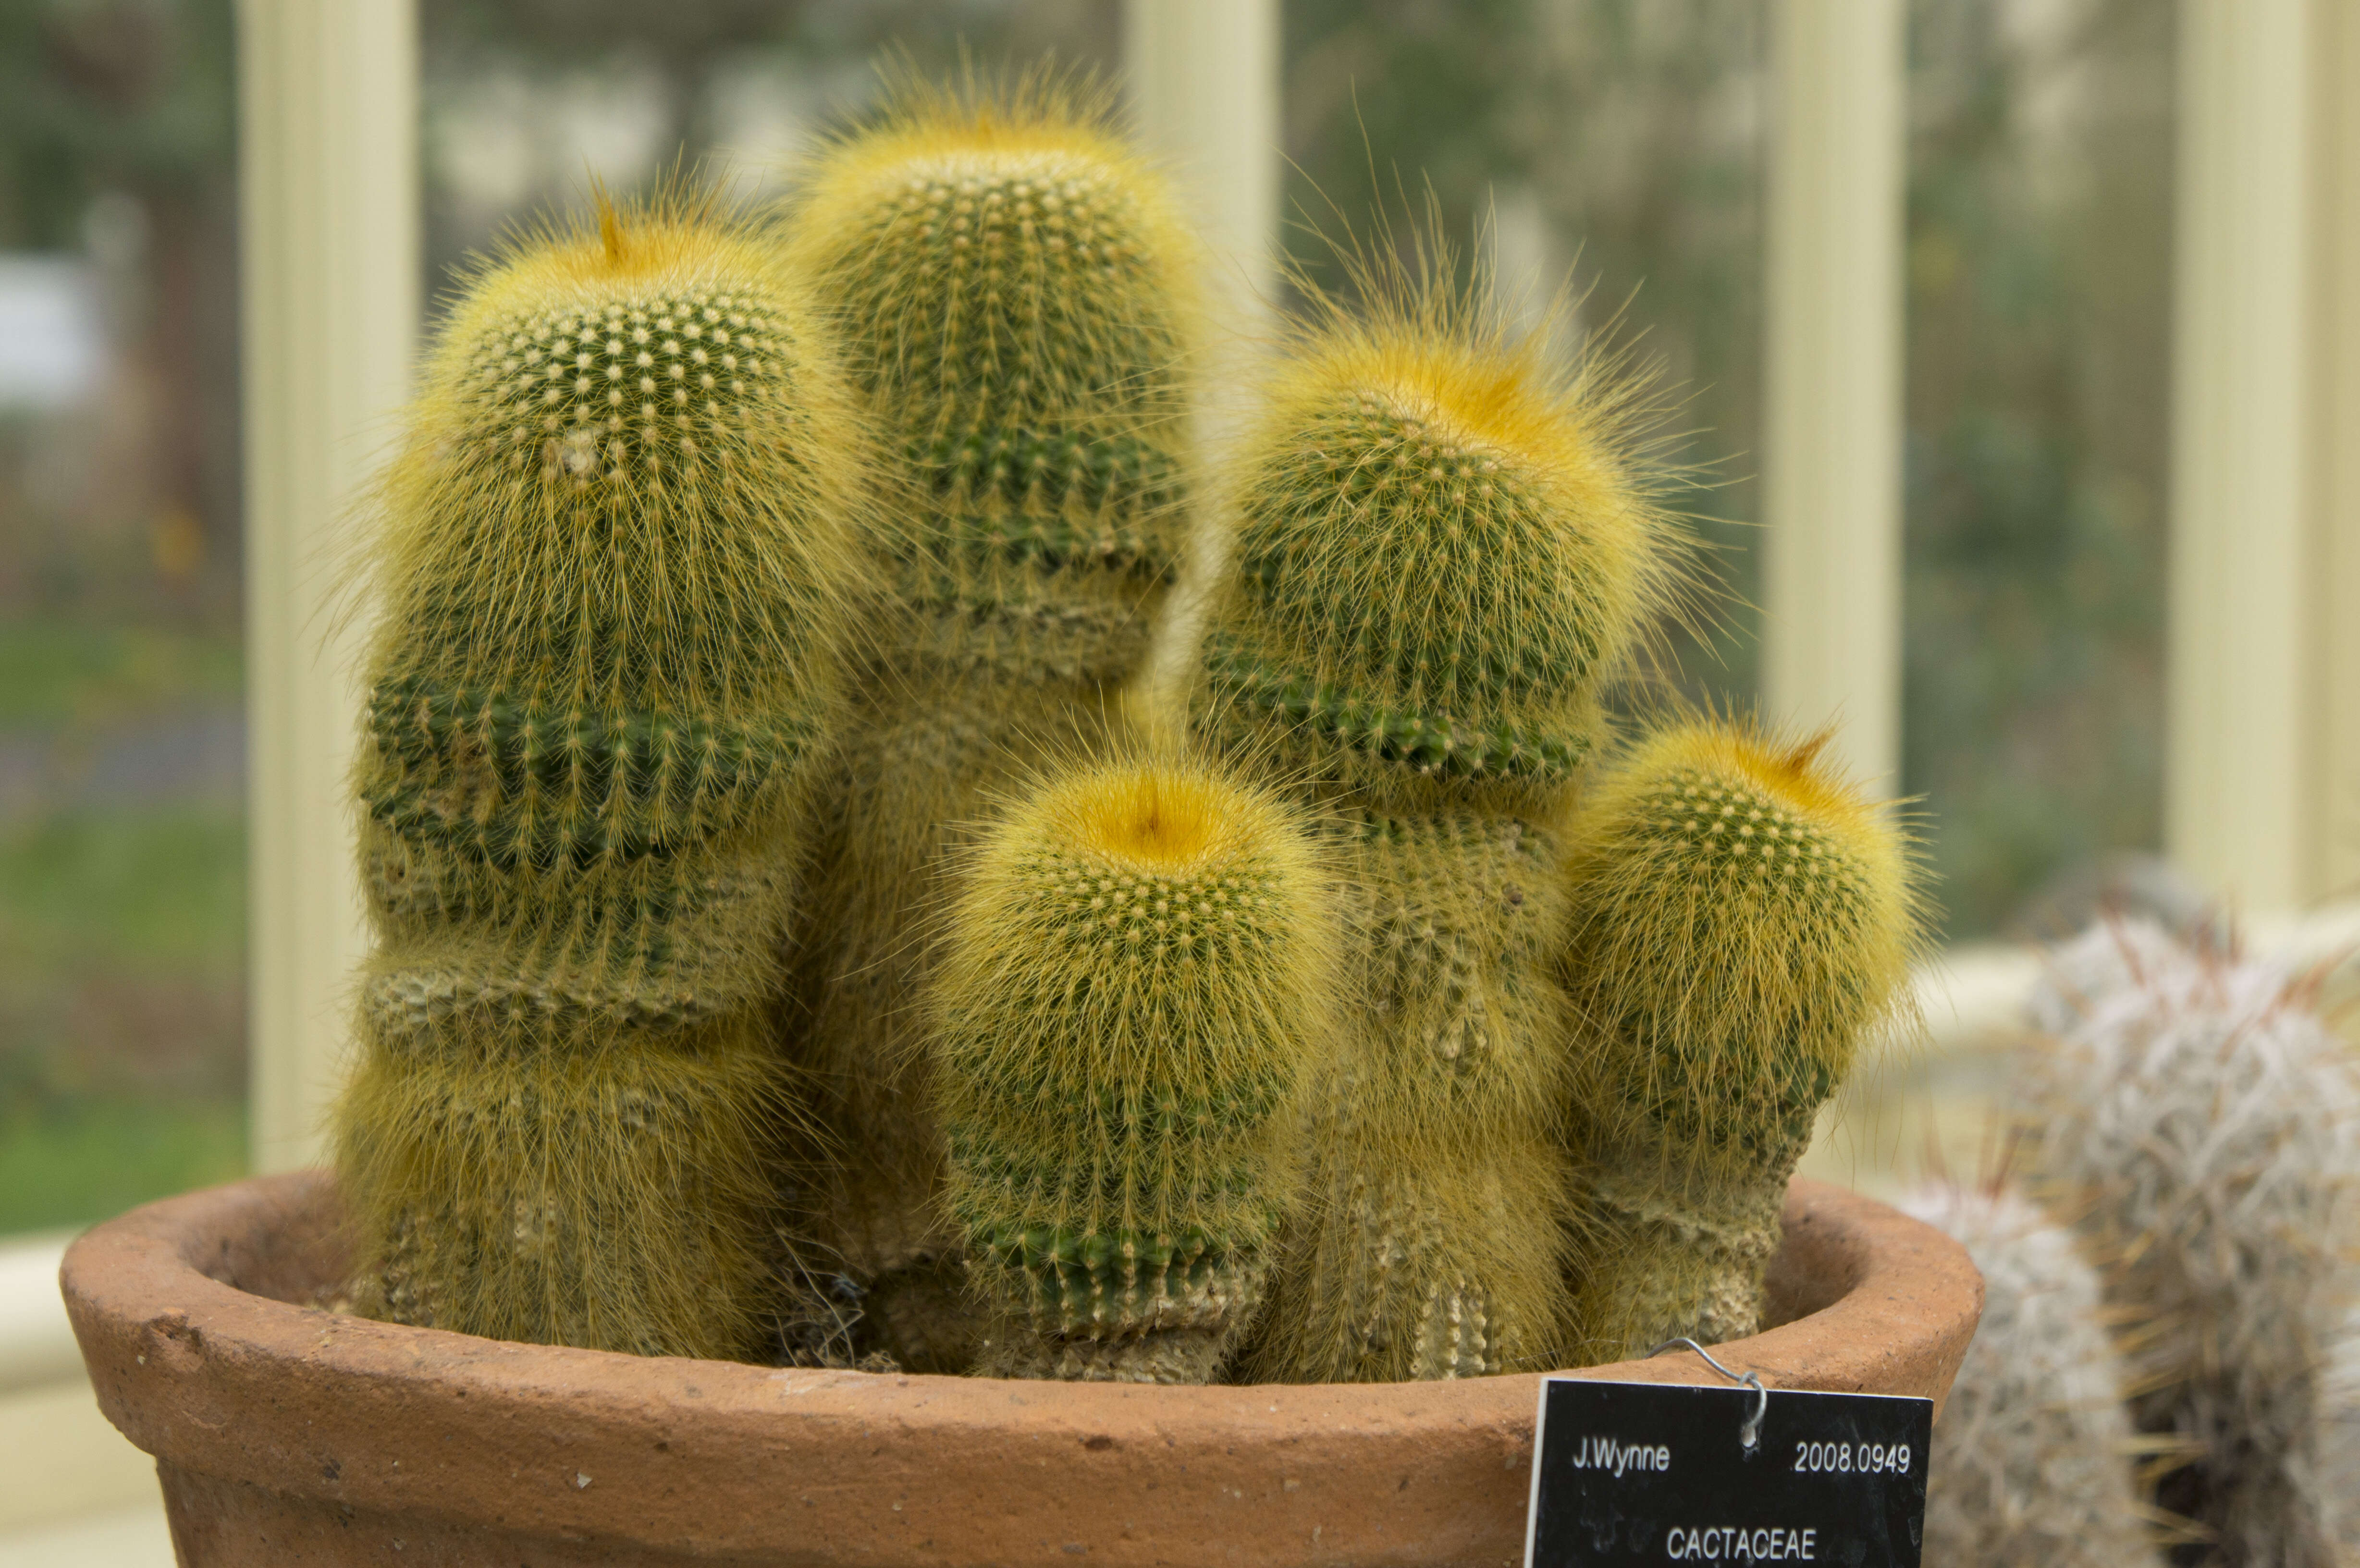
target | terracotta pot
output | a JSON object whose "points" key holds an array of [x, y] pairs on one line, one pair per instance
{"points": [[284, 1433]]}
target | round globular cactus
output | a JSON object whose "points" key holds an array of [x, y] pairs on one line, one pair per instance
{"points": [[1741, 921], [1018, 289], [1138, 969], [2205, 1125], [1444, 548], [2033, 1457], [615, 559]]}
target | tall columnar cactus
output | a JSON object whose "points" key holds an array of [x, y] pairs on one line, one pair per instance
{"points": [[1140, 965], [1443, 548], [1741, 918], [2206, 1124], [2033, 1459], [1019, 291], [614, 563]]}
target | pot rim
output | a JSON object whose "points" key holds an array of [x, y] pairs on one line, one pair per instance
{"points": [[721, 1458]]}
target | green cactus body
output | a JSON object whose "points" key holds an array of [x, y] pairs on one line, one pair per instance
{"points": [[1441, 552], [1018, 291], [1432, 1246], [1138, 970], [614, 566], [1742, 919]]}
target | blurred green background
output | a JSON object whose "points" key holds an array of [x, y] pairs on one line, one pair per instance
{"points": [[1611, 146]]}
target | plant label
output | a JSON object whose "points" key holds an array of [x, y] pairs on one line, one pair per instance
{"points": [[1666, 1473]]}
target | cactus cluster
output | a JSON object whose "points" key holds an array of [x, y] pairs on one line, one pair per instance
{"points": [[615, 561], [1017, 294], [1742, 919], [767, 894], [2205, 1124], [1137, 971], [2034, 1457]]}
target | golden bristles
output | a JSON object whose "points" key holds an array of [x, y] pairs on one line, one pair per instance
{"points": [[1795, 772], [1576, 428], [677, 238], [649, 374], [1056, 130], [1739, 903], [1179, 889]]}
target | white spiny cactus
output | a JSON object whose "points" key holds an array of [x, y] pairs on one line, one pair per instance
{"points": [[2032, 1460], [2110, 958], [2204, 1124], [2342, 1477]]}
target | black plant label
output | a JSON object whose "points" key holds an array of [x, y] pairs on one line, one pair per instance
{"points": [[1626, 1473]]}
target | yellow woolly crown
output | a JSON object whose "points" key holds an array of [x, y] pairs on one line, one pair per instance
{"points": [[1446, 543], [1009, 260], [634, 466], [1744, 917]]}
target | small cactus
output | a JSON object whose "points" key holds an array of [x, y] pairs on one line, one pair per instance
{"points": [[1018, 290], [1443, 548], [1742, 919], [615, 559], [1138, 968], [2033, 1457], [2206, 1124]]}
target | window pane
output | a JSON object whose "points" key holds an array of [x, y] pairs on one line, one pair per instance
{"points": [[2040, 343], [122, 730]]}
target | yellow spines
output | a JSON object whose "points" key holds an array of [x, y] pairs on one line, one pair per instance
{"points": [[614, 562], [1139, 967], [604, 516], [1436, 1180], [1742, 919], [551, 1184], [1445, 547], [1023, 294], [1019, 293]]}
